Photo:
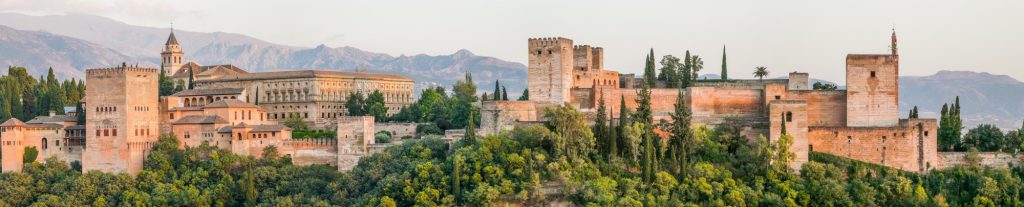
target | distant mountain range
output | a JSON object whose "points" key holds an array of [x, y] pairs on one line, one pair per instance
{"points": [[70, 43], [143, 44]]}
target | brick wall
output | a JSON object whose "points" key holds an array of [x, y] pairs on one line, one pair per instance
{"points": [[909, 146]]}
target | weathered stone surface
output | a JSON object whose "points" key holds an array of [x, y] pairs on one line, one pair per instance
{"points": [[872, 90], [123, 121]]}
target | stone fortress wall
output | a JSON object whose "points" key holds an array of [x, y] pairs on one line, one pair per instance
{"points": [[860, 123]]}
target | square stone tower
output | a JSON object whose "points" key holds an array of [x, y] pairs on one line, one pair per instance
{"points": [[550, 70], [872, 90], [123, 122]]}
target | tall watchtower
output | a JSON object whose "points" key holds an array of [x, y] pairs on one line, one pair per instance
{"points": [[550, 70], [123, 122], [872, 90], [171, 57]]}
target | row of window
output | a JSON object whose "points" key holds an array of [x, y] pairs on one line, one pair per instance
{"points": [[106, 109]]}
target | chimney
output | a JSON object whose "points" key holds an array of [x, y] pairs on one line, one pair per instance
{"points": [[53, 113]]}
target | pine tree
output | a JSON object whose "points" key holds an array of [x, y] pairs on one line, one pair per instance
{"points": [[504, 94], [725, 72]]}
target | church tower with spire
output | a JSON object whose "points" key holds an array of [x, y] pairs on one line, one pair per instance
{"points": [[171, 57]]}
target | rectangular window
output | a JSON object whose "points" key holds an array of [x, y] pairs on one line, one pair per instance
{"points": [[106, 132], [114, 132], [778, 97], [872, 74]]}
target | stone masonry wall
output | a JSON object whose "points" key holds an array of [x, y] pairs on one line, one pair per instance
{"points": [[496, 116], [872, 88], [990, 159], [909, 146]]}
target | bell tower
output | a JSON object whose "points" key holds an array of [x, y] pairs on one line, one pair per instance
{"points": [[171, 57]]}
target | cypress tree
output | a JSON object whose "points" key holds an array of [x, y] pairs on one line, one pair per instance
{"points": [[681, 133], [485, 97], [783, 132], [649, 74], [623, 118], [599, 125], [504, 94], [725, 71], [687, 69], [470, 130], [497, 90], [190, 78], [526, 95], [644, 115]]}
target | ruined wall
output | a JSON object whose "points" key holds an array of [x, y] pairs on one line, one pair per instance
{"points": [[990, 159], [398, 130], [824, 108], [549, 70], [792, 114], [123, 121], [872, 88], [310, 151], [497, 116], [909, 146]]}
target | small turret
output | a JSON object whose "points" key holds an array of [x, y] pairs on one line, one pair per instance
{"points": [[893, 46]]}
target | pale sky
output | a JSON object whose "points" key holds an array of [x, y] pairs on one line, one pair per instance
{"points": [[808, 36]]}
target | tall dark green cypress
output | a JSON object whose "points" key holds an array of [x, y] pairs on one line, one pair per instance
{"points": [[649, 73], [644, 115], [687, 70], [497, 91], [725, 71], [504, 94], [623, 120], [526, 95], [599, 125]]}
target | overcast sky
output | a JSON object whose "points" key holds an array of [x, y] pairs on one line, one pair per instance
{"points": [[808, 36]]}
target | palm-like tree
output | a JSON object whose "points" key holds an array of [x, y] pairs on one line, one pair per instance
{"points": [[697, 65], [760, 72]]}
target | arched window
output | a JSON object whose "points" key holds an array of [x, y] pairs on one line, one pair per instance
{"points": [[44, 143]]}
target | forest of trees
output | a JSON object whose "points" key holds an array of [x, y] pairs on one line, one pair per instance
{"points": [[25, 97]]}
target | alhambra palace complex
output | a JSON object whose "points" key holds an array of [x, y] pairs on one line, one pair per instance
{"points": [[240, 111]]}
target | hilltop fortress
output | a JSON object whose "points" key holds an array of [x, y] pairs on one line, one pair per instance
{"points": [[861, 122], [223, 106]]}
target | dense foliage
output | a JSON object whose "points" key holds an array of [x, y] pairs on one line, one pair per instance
{"points": [[25, 97]]}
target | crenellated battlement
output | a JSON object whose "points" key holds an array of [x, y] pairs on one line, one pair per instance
{"points": [[311, 142], [549, 41], [119, 70], [581, 47]]}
